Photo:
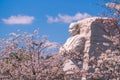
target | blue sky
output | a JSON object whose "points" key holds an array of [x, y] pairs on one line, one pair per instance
{"points": [[52, 17]]}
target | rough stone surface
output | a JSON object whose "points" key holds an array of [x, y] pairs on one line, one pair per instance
{"points": [[74, 45], [88, 37], [70, 67]]}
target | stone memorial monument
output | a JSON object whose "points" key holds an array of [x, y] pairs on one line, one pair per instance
{"points": [[89, 38]]}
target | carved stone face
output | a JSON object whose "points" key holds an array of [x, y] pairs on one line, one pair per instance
{"points": [[73, 29]]}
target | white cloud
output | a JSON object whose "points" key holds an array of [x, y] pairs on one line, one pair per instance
{"points": [[67, 18], [19, 19]]}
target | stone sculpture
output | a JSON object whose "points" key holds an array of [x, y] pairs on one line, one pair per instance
{"points": [[88, 37], [74, 45]]}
